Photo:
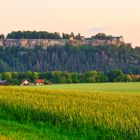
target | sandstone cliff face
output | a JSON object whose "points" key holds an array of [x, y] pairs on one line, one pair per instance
{"points": [[31, 43], [1, 42]]}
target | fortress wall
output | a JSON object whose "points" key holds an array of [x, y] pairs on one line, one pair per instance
{"points": [[31, 43], [97, 42], [60, 42]]}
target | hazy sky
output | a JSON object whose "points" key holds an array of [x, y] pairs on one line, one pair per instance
{"points": [[116, 17]]}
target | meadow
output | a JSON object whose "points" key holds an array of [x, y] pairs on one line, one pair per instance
{"points": [[108, 111], [128, 88]]}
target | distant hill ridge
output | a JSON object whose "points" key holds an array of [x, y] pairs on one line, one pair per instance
{"points": [[46, 39], [31, 43]]}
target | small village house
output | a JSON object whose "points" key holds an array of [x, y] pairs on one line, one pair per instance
{"points": [[25, 83], [40, 82]]}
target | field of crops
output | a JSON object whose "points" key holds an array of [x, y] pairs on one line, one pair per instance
{"points": [[71, 112]]}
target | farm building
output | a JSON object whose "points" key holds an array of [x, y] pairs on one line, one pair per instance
{"points": [[25, 83], [39, 82], [3, 83]]}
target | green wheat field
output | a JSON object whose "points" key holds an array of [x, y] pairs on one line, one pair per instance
{"points": [[108, 111]]}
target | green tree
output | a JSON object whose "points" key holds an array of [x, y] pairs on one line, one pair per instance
{"points": [[78, 37], [101, 78], [15, 75], [7, 76], [75, 77], [29, 75], [91, 76], [66, 36], [35, 76], [116, 76], [56, 77], [0, 76]]}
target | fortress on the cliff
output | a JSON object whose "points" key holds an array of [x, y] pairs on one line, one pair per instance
{"points": [[31, 43]]}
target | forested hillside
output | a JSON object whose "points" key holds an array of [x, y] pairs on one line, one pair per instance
{"points": [[71, 59]]}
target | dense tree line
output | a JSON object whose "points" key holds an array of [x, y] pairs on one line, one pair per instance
{"points": [[39, 35], [49, 35], [70, 59], [102, 36], [33, 35], [67, 77]]}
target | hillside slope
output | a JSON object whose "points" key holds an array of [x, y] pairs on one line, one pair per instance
{"points": [[68, 58]]}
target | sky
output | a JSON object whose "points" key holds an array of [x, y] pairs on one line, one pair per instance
{"points": [[88, 17]]}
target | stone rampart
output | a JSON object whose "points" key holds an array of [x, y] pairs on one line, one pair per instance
{"points": [[31, 43]]}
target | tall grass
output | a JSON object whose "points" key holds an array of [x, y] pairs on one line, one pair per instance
{"points": [[92, 115]]}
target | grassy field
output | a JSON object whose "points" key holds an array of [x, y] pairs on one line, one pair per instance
{"points": [[71, 112], [128, 88]]}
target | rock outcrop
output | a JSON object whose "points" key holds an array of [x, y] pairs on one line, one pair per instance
{"points": [[31, 43]]}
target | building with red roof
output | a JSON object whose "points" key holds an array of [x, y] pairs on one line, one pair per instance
{"points": [[39, 82]]}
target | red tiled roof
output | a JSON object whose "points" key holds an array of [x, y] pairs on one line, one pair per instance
{"points": [[40, 81]]}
